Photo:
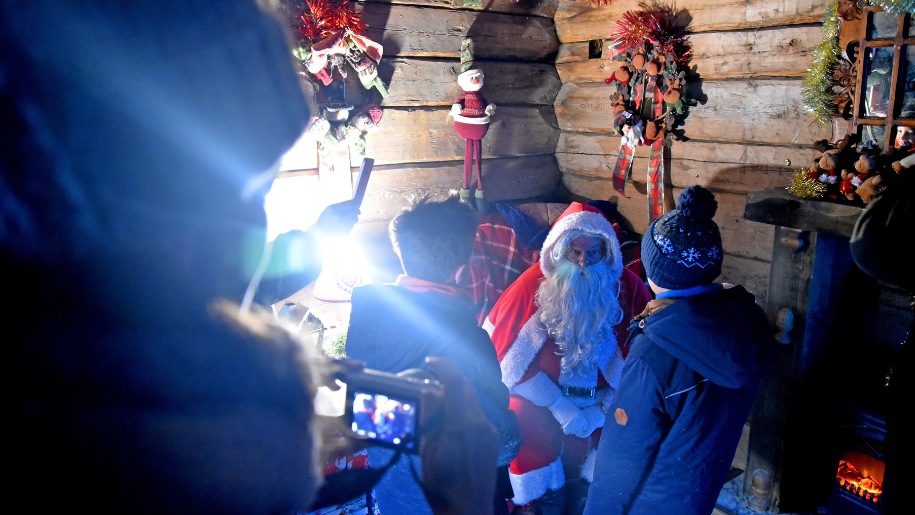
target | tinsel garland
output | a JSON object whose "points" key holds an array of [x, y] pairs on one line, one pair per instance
{"points": [[818, 82], [802, 186], [315, 20], [816, 89], [660, 28]]}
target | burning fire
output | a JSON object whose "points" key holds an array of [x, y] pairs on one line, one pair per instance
{"points": [[862, 482]]}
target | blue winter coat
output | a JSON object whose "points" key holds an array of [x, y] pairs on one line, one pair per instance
{"points": [[686, 391], [393, 329]]}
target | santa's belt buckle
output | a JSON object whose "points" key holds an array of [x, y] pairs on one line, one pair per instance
{"points": [[577, 391]]}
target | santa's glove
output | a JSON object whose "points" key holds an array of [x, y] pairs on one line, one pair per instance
{"points": [[455, 110], [568, 415], [594, 418], [490, 109]]}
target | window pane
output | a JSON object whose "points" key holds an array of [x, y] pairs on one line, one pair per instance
{"points": [[908, 95], [878, 69], [884, 25]]}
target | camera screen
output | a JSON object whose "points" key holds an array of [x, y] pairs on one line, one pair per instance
{"points": [[385, 419]]}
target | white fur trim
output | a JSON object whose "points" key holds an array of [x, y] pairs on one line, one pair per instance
{"points": [[613, 368], [523, 350], [473, 120], [488, 326], [539, 389], [587, 221], [532, 485], [587, 468]]}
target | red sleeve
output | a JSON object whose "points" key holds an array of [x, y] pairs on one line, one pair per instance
{"points": [[514, 307]]}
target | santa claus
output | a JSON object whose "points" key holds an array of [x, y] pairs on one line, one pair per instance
{"points": [[560, 332]]}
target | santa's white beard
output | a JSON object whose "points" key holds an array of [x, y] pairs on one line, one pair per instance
{"points": [[579, 307]]}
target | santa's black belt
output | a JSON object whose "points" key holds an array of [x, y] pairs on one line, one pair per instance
{"points": [[577, 391]]}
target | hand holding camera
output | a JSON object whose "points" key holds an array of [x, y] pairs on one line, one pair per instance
{"points": [[440, 419]]}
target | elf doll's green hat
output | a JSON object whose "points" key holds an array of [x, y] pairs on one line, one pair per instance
{"points": [[466, 55]]}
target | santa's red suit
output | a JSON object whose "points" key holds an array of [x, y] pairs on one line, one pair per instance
{"points": [[531, 368]]}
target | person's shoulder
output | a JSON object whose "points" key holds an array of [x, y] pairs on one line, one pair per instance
{"points": [[645, 352]]}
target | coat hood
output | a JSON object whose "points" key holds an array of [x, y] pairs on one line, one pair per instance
{"points": [[715, 334]]}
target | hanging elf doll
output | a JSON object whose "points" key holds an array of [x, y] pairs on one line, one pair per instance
{"points": [[652, 53], [471, 112]]}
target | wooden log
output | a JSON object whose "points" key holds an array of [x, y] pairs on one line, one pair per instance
{"points": [[426, 32], [426, 135], [695, 150], [739, 236], [433, 82], [579, 21], [632, 208], [781, 52], [751, 111], [575, 52], [505, 179], [773, 52], [749, 273], [720, 166], [545, 8]]}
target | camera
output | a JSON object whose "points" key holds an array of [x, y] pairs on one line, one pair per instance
{"points": [[390, 409]]}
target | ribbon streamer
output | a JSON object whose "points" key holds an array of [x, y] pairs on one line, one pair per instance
{"points": [[654, 109]]}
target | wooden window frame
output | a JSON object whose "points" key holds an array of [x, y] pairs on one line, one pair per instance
{"points": [[859, 30]]}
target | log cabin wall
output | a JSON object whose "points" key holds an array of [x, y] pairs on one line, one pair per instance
{"points": [[416, 149], [551, 137], [749, 59]]}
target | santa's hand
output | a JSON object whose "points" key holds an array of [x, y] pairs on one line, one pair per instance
{"points": [[593, 417], [490, 109], [455, 109], [568, 415]]}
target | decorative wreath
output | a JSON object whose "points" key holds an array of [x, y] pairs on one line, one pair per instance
{"points": [[649, 101], [331, 43]]}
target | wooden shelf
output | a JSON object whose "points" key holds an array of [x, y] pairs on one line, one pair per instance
{"points": [[777, 206]]}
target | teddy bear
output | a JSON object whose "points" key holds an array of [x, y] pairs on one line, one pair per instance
{"points": [[825, 166], [864, 168], [835, 162]]}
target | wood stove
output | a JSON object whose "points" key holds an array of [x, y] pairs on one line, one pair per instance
{"points": [[818, 428]]}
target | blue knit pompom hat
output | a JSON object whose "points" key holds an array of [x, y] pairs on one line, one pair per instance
{"points": [[682, 248]]}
